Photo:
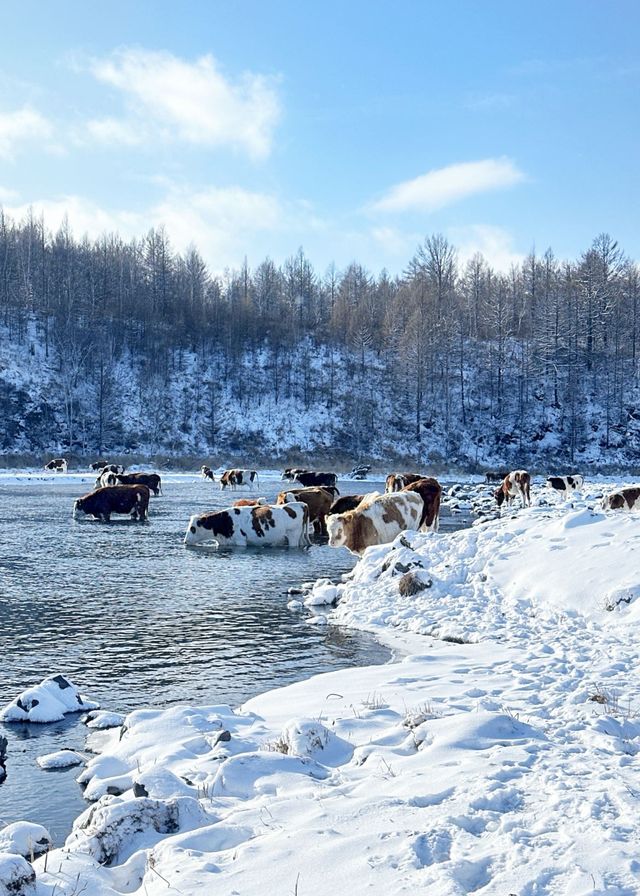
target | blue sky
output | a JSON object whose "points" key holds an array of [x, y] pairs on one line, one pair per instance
{"points": [[351, 129]]}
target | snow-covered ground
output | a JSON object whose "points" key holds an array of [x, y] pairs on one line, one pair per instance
{"points": [[500, 757]]}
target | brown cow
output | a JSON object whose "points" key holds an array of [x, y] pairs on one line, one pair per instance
{"points": [[516, 483], [151, 480], [395, 482], [318, 500], [624, 499], [430, 491], [249, 502], [101, 503]]}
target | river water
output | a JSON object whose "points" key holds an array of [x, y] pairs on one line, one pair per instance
{"points": [[135, 619]]}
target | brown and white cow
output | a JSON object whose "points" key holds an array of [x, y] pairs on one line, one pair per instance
{"points": [[518, 482], [101, 503], [395, 482], [234, 478], [266, 525], [58, 465], [378, 520], [207, 473], [249, 502], [624, 499], [566, 484], [430, 491], [318, 500]]}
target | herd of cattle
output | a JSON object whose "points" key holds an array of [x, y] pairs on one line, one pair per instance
{"points": [[311, 502]]}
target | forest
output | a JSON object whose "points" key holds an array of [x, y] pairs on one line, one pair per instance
{"points": [[131, 347]]}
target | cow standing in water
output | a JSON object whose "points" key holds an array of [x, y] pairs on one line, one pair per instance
{"points": [[101, 503], [430, 491], [207, 473], [376, 521], [265, 525], [234, 478], [516, 483]]}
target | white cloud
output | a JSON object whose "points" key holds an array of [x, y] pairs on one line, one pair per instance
{"points": [[189, 101], [221, 222], [494, 243], [444, 186], [20, 126], [395, 242]]}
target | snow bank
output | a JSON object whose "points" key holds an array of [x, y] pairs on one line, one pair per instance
{"points": [[501, 758], [48, 701], [24, 839]]}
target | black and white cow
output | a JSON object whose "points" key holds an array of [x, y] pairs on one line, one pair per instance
{"points": [[207, 473], [235, 478], [57, 465], [566, 484], [265, 525]]}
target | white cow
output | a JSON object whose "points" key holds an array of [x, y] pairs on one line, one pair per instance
{"points": [[270, 525], [377, 520]]}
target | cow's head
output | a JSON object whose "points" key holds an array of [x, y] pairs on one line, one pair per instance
{"points": [[336, 531], [499, 496], [78, 508]]}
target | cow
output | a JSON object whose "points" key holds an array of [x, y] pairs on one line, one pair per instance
{"points": [[375, 521], [106, 467], [395, 482], [58, 464], [234, 478], [151, 480], [515, 483], [98, 465], [291, 472], [360, 472], [624, 499], [347, 502], [207, 473], [249, 502], [308, 478], [430, 491], [318, 500], [106, 478], [101, 503], [565, 484], [265, 525], [495, 476]]}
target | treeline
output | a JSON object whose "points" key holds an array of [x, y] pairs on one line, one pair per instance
{"points": [[448, 360]]}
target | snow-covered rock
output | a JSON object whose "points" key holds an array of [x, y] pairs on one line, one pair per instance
{"points": [[25, 839], [48, 701], [17, 877], [102, 719], [60, 759]]}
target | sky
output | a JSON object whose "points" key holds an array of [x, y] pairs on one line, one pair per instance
{"points": [[350, 129]]}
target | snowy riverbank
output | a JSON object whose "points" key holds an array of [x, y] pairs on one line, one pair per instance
{"points": [[507, 763]]}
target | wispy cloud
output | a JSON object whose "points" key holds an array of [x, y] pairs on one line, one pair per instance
{"points": [[444, 186], [172, 99], [494, 243], [21, 126]]}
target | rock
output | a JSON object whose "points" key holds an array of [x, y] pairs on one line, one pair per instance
{"points": [[60, 759], [413, 583], [17, 877], [48, 701], [23, 838], [102, 719]]}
